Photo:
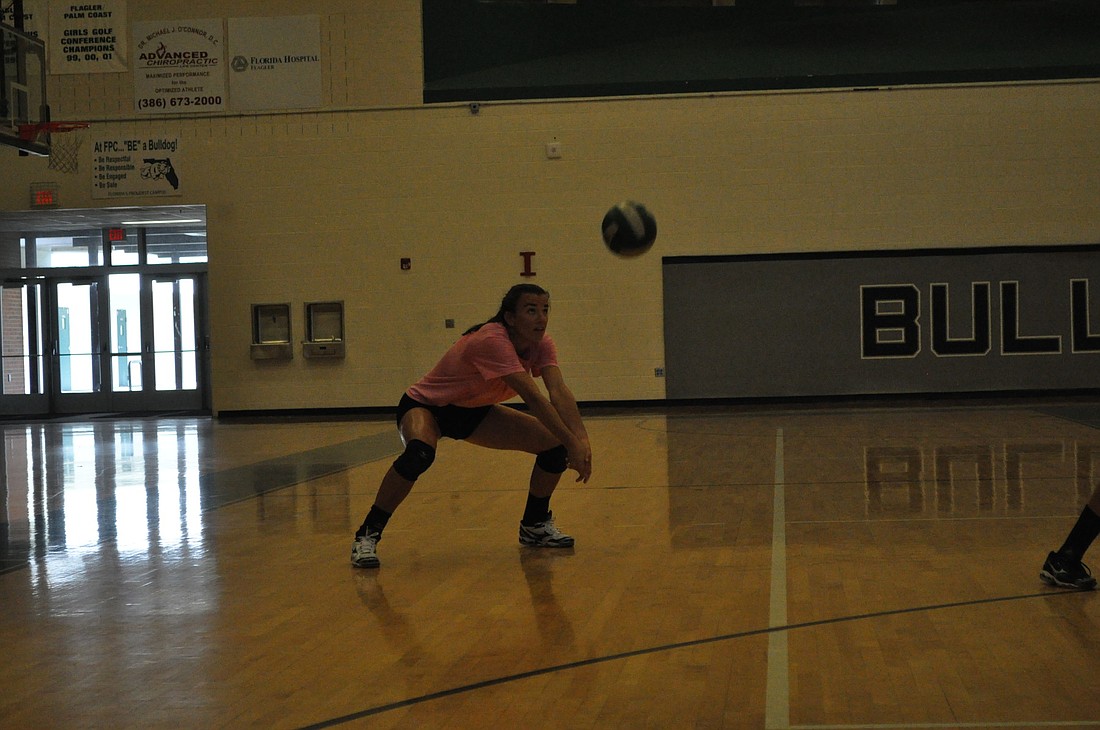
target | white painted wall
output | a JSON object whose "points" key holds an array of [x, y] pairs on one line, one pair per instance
{"points": [[321, 205]]}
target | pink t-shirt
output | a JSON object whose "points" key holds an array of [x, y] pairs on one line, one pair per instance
{"points": [[470, 374]]}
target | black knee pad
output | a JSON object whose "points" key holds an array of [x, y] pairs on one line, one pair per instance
{"points": [[415, 460], [553, 461]]}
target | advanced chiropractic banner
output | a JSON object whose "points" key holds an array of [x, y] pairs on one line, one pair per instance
{"points": [[179, 66]]}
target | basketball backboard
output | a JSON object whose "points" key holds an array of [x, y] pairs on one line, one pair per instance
{"points": [[23, 92]]}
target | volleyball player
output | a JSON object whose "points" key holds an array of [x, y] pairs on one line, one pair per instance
{"points": [[461, 398], [1063, 568]]}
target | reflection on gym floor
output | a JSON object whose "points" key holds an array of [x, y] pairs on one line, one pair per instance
{"points": [[735, 567], [136, 486], [81, 488]]}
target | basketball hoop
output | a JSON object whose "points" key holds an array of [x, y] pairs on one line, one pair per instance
{"points": [[64, 147]]}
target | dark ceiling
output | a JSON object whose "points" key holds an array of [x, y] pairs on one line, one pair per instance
{"points": [[483, 51]]}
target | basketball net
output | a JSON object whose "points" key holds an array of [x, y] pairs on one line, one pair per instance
{"points": [[64, 140], [65, 150]]}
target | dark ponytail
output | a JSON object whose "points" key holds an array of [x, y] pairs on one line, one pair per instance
{"points": [[509, 302]]}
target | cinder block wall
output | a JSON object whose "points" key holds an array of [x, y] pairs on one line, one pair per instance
{"points": [[322, 205]]}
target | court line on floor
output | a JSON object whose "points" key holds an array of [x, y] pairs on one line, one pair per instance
{"points": [[507, 679], [915, 726], [777, 707]]}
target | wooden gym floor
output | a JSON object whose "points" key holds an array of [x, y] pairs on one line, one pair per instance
{"points": [[735, 567]]}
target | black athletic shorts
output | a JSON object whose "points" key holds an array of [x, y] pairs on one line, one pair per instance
{"points": [[454, 422]]}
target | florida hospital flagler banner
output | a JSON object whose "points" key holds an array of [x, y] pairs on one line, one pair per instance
{"points": [[179, 66], [275, 63]]}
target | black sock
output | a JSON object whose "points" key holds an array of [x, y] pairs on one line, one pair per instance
{"points": [[375, 522], [1082, 534], [537, 510]]}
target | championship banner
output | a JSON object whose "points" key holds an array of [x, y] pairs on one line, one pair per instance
{"points": [[87, 38], [132, 167], [275, 62], [179, 66], [35, 21], [35, 25]]}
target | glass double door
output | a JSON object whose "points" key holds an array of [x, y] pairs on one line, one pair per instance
{"points": [[126, 342]]}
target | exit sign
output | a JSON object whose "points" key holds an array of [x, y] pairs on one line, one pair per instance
{"points": [[44, 195]]}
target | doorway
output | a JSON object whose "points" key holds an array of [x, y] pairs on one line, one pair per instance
{"points": [[125, 342], [104, 311]]}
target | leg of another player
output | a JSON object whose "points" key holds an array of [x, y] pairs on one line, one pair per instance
{"points": [[1063, 568]]}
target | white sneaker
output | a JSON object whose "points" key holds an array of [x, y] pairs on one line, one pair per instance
{"points": [[364, 553], [544, 534]]}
